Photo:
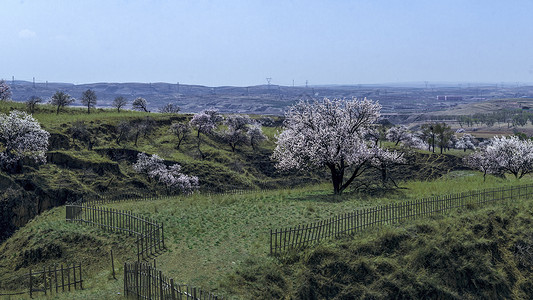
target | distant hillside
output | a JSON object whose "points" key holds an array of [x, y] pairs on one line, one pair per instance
{"points": [[487, 107], [274, 99]]}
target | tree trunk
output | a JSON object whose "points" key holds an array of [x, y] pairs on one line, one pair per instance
{"points": [[136, 138]]}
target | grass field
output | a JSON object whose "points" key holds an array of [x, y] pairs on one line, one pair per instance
{"points": [[208, 237]]}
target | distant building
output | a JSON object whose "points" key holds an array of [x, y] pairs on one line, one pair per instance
{"points": [[449, 98]]}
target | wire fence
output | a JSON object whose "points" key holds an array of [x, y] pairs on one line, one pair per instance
{"points": [[143, 281], [282, 240], [150, 235]]}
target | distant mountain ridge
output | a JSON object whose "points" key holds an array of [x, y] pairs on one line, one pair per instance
{"points": [[270, 99]]}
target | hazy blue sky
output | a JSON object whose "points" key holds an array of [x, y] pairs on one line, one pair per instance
{"points": [[241, 42]]}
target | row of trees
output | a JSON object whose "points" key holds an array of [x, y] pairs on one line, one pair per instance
{"points": [[236, 130], [430, 135], [88, 98], [513, 118]]}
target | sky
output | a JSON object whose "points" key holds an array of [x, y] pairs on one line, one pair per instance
{"points": [[243, 42]]}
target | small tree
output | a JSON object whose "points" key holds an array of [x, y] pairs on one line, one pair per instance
{"points": [[236, 132], [169, 108], [79, 131], [31, 103], [466, 142], [398, 134], [429, 135], [204, 122], [119, 102], [61, 99], [181, 131], [21, 136], [479, 160], [171, 176], [444, 134], [255, 133], [89, 99], [5, 91], [123, 130], [141, 127], [140, 104]]}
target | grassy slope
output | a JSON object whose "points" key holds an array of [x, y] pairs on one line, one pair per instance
{"points": [[479, 254], [208, 237]]}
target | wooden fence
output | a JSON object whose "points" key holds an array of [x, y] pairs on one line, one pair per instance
{"points": [[49, 280], [282, 240], [143, 281], [150, 237]]}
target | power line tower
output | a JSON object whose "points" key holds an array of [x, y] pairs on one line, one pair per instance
{"points": [[269, 79]]}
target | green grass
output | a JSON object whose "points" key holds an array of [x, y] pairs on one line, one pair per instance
{"points": [[209, 237], [468, 254]]}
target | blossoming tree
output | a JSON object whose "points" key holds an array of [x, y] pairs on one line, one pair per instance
{"points": [[329, 133], [398, 134], [171, 176], [21, 136], [504, 155], [466, 142]]}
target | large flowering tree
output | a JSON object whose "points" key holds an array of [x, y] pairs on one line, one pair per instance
{"points": [[21, 136], [171, 176], [329, 133], [504, 155]]}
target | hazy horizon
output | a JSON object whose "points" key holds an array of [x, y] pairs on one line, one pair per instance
{"points": [[241, 43]]}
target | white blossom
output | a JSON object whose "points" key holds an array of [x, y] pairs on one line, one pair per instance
{"points": [[328, 134], [465, 142], [203, 123], [21, 136], [171, 176], [398, 134], [255, 133], [5, 91], [504, 155]]}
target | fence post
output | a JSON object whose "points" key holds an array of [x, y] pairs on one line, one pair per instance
{"points": [[137, 280], [55, 275], [271, 241], [68, 277], [44, 279], [162, 236], [161, 284], [125, 279], [81, 279], [113, 265], [62, 279], [138, 252], [172, 293], [74, 271], [31, 285]]}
